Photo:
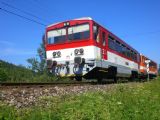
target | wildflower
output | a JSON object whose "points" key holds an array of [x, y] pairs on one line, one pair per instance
{"points": [[119, 103]]}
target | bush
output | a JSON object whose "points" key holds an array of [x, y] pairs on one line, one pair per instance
{"points": [[3, 75]]}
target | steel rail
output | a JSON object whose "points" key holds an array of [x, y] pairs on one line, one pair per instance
{"points": [[44, 83]]}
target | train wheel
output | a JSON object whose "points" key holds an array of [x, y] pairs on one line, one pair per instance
{"points": [[134, 76], [78, 78], [115, 79], [99, 80], [71, 78]]}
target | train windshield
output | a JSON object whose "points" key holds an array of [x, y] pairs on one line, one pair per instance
{"points": [[57, 36], [72, 33], [79, 32]]}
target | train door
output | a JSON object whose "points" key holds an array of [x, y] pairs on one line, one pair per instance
{"points": [[100, 38], [97, 38], [103, 45]]}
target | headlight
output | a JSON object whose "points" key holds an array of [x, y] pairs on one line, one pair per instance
{"points": [[56, 54], [68, 23], [79, 51], [76, 51], [65, 24], [59, 54]]}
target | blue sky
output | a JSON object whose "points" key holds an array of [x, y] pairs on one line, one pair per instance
{"points": [[134, 21]]}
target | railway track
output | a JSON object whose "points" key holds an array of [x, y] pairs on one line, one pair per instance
{"points": [[42, 84], [59, 83]]}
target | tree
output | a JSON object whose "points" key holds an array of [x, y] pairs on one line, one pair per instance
{"points": [[42, 55], [3, 75], [39, 64], [34, 64], [159, 69]]}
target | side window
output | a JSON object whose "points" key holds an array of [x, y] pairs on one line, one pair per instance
{"points": [[132, 55], [124, 49], [118, 46], [135, 56], [142, 59], [103, 38], [114, 44], [121, 48], [96, 33], [111, 43], [128, 53]]}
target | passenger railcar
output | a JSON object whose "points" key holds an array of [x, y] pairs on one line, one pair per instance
{"points": [[83, 48], [152, 69]]}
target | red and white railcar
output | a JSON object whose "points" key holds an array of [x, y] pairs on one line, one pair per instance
{"points": [[152, 69], [83, 48]]}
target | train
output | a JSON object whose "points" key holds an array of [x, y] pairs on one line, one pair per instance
{"points": [[82, 48]]}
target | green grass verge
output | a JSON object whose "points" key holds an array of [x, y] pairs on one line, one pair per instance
{"points": [[139, 101]]}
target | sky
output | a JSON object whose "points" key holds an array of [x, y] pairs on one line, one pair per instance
{"points": [[137, 22]]}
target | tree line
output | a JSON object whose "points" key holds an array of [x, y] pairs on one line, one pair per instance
{"points": [[35, 72]]}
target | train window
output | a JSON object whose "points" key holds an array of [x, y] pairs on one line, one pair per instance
{"points": [[96, 33], [142, 59], [104, 39], [132, 55], [128, 53], [111, 43], [121, 48], [151, 64], [56, 36], [78, 32], [124, 49], [118, 46], [135, 56]]}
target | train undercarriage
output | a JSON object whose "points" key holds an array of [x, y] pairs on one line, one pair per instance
{"points": [[92, 69]]}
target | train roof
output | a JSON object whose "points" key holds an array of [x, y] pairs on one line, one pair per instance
{"points": [[82, 18]]}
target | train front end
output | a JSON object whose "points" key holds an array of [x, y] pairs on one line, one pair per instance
{"points": [[69, 48]]}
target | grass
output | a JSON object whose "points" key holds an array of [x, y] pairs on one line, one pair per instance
{"points": [[127, 102], [13, 73]]}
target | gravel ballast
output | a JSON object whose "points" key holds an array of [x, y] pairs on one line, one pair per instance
{"points": [[28, 96]]}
